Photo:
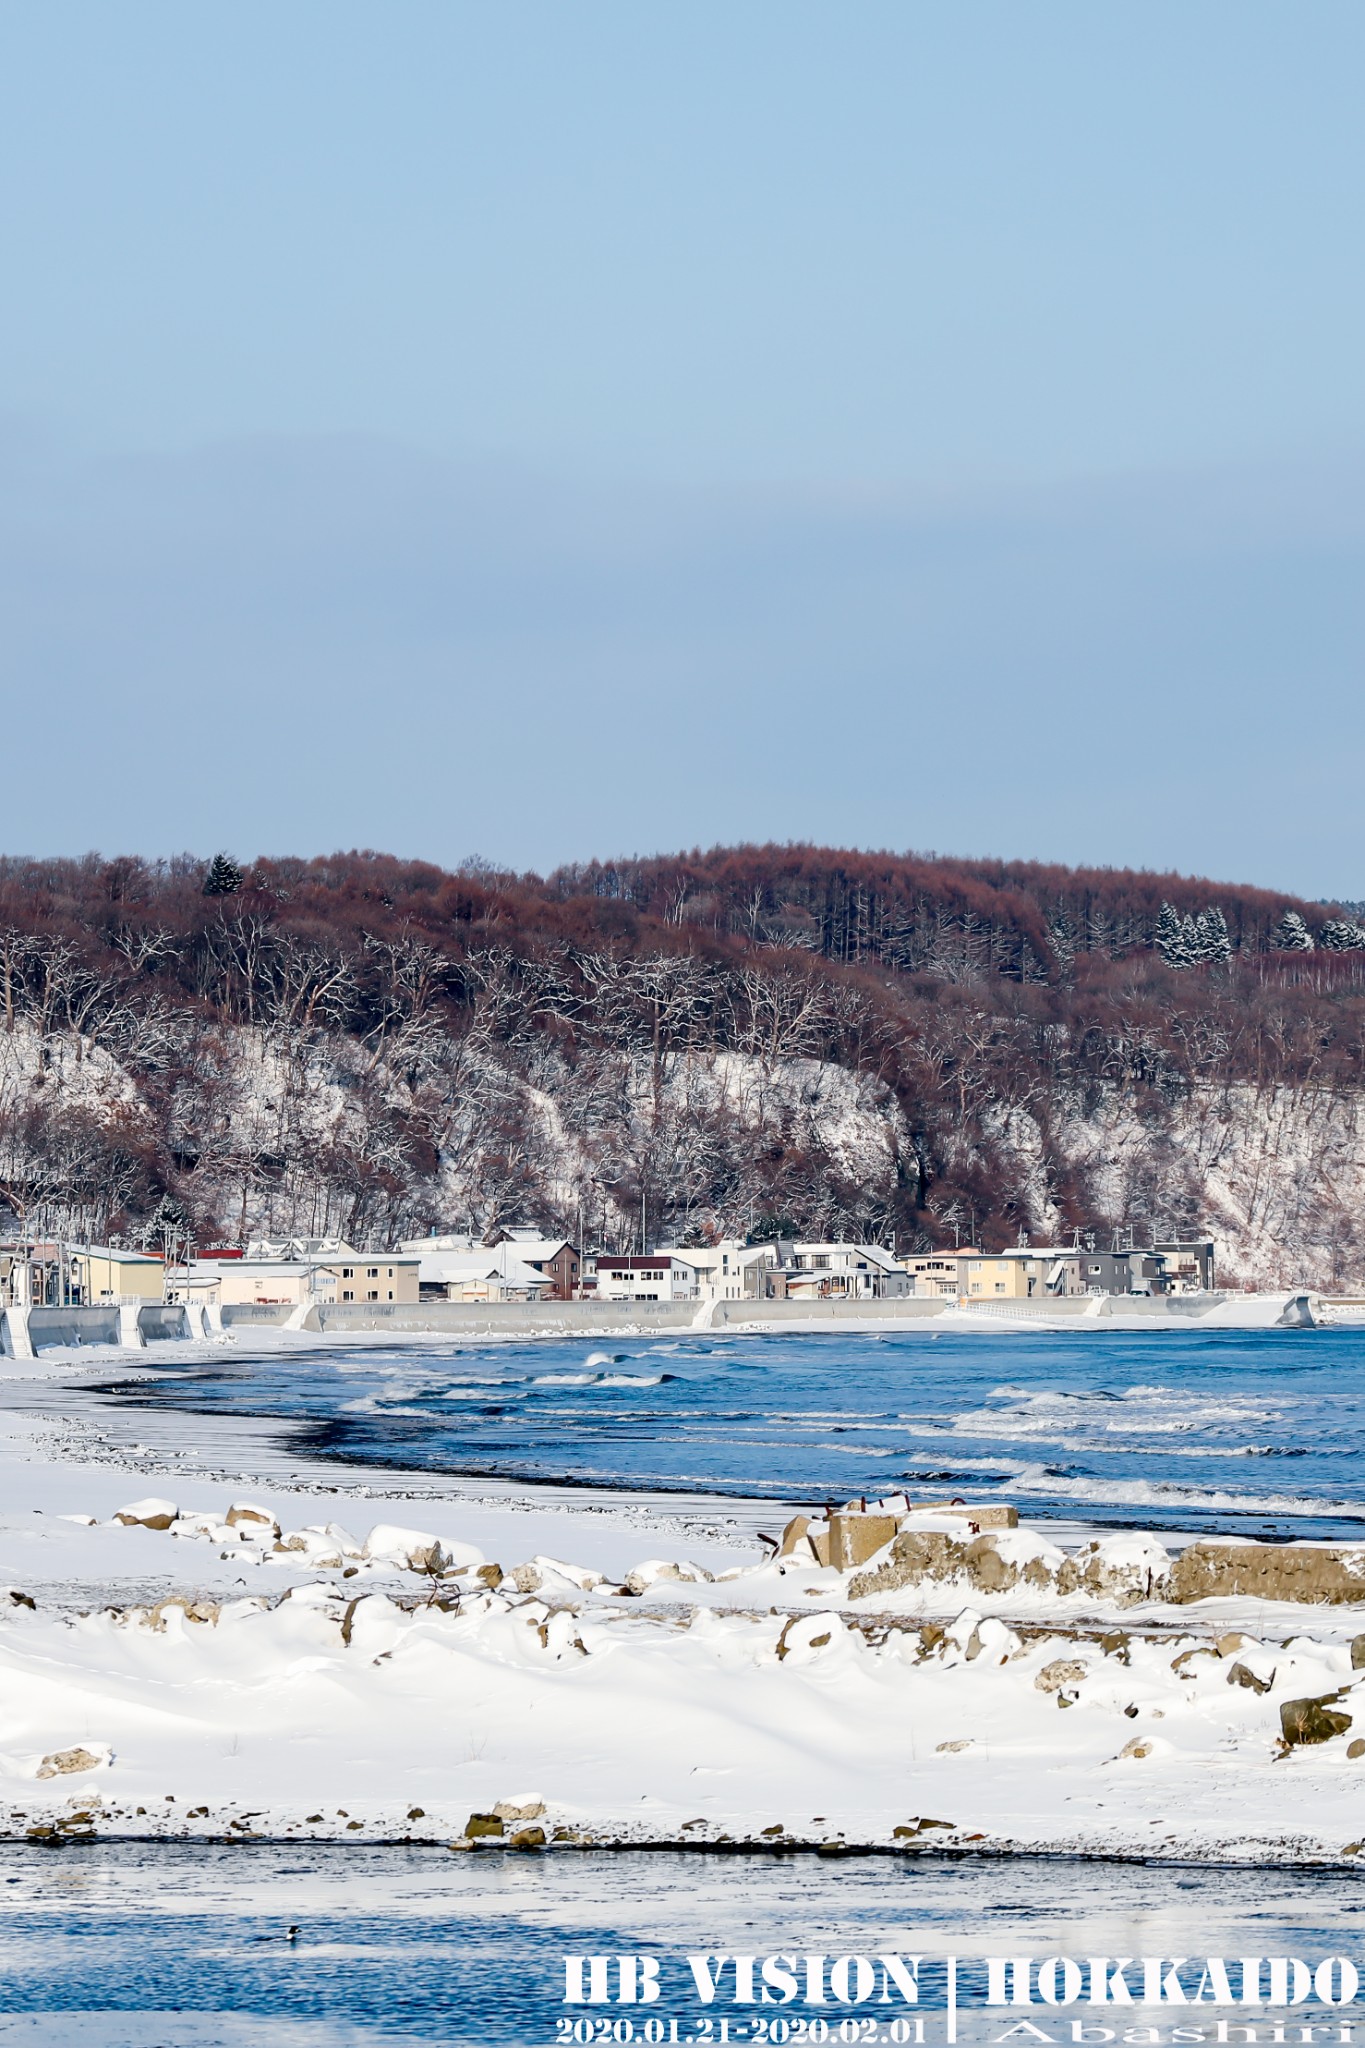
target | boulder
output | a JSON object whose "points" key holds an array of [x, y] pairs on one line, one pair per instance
{"points": [[1241, 1675], [916, 1554], [803, 1636], [243, 1513], [414, 1549], [1358, 1653], [1061, 1671], [480, 1824], [530, 1809], [148, 1514], [1307, 1721], [643, 1576], [528, 1838], [62, 1762]]}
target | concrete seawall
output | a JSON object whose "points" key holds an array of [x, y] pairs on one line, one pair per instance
{"points": [[26, 1332]]}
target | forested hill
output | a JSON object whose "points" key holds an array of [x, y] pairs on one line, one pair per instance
{"points": [[748, 1037]]}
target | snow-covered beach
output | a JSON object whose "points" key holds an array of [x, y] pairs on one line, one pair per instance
{"points": [[308, 1650]]}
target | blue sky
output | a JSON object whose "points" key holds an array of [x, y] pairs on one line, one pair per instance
{"points": [[549, 430]]}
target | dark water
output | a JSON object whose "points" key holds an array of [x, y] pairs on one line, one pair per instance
{"points": [[108, 1945], [1254, 1432]]}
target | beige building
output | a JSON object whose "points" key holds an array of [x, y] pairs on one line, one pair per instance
{"points": [[300, 1271], [104, 1273], [1019, 1274], [360, 1276], [936, 1273]]}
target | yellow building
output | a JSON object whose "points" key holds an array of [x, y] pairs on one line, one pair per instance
{"points": [[1015, 1275], [103, 1273]]}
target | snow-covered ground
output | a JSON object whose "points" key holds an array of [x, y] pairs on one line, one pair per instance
{"points": [[304, 1650]]}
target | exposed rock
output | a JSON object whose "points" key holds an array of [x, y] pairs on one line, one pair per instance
{"points": [[1315, 1574], [1307, 1721], [1124, 1569], [1357, 1651], [1233, 1641], [491, 1574], [916, 1554], [1355, 1749], [1136, 1748], [645, 1575], [528, 1838], [61, 1762], [527, 1578], [243, 1513], [1240, 1675], [193, 1610], [1182, 1664], [148, 1514], [531, 1810], [802, 1635], [481, 1824], [951, 1748], [414, 1549], [1061, 1671]]}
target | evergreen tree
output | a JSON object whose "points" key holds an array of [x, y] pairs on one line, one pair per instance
{"points": [[1339, 935], [1172, 941], [1291, 934], [224, 877], [167, 1229], [1214, 936]]}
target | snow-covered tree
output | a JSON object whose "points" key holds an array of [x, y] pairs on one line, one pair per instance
{"points": [[167, 1229], [1214, 941], [1340, 935], [1062, 940], [1188, 941], [224, 877], [1171, 940], [1291, 934]]}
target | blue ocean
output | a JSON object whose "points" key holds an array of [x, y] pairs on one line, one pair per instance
{"points": [[1248, 1432]]}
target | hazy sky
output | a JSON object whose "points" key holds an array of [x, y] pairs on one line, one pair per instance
{"points": [[549, 429]]}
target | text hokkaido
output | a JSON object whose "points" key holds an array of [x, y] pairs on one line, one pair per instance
{"points": [[1170, 1980]]}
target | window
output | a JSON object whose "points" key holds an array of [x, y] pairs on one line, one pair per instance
{"points": [[348, 1294], [999, 1286], [372, 1273], [348, 1273], [373, 1294], [390, 1294]]}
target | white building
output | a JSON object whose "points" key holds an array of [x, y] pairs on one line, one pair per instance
{"points": [[842, 1272], [453, 1270], [730, 1270], [658, 1276]]}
